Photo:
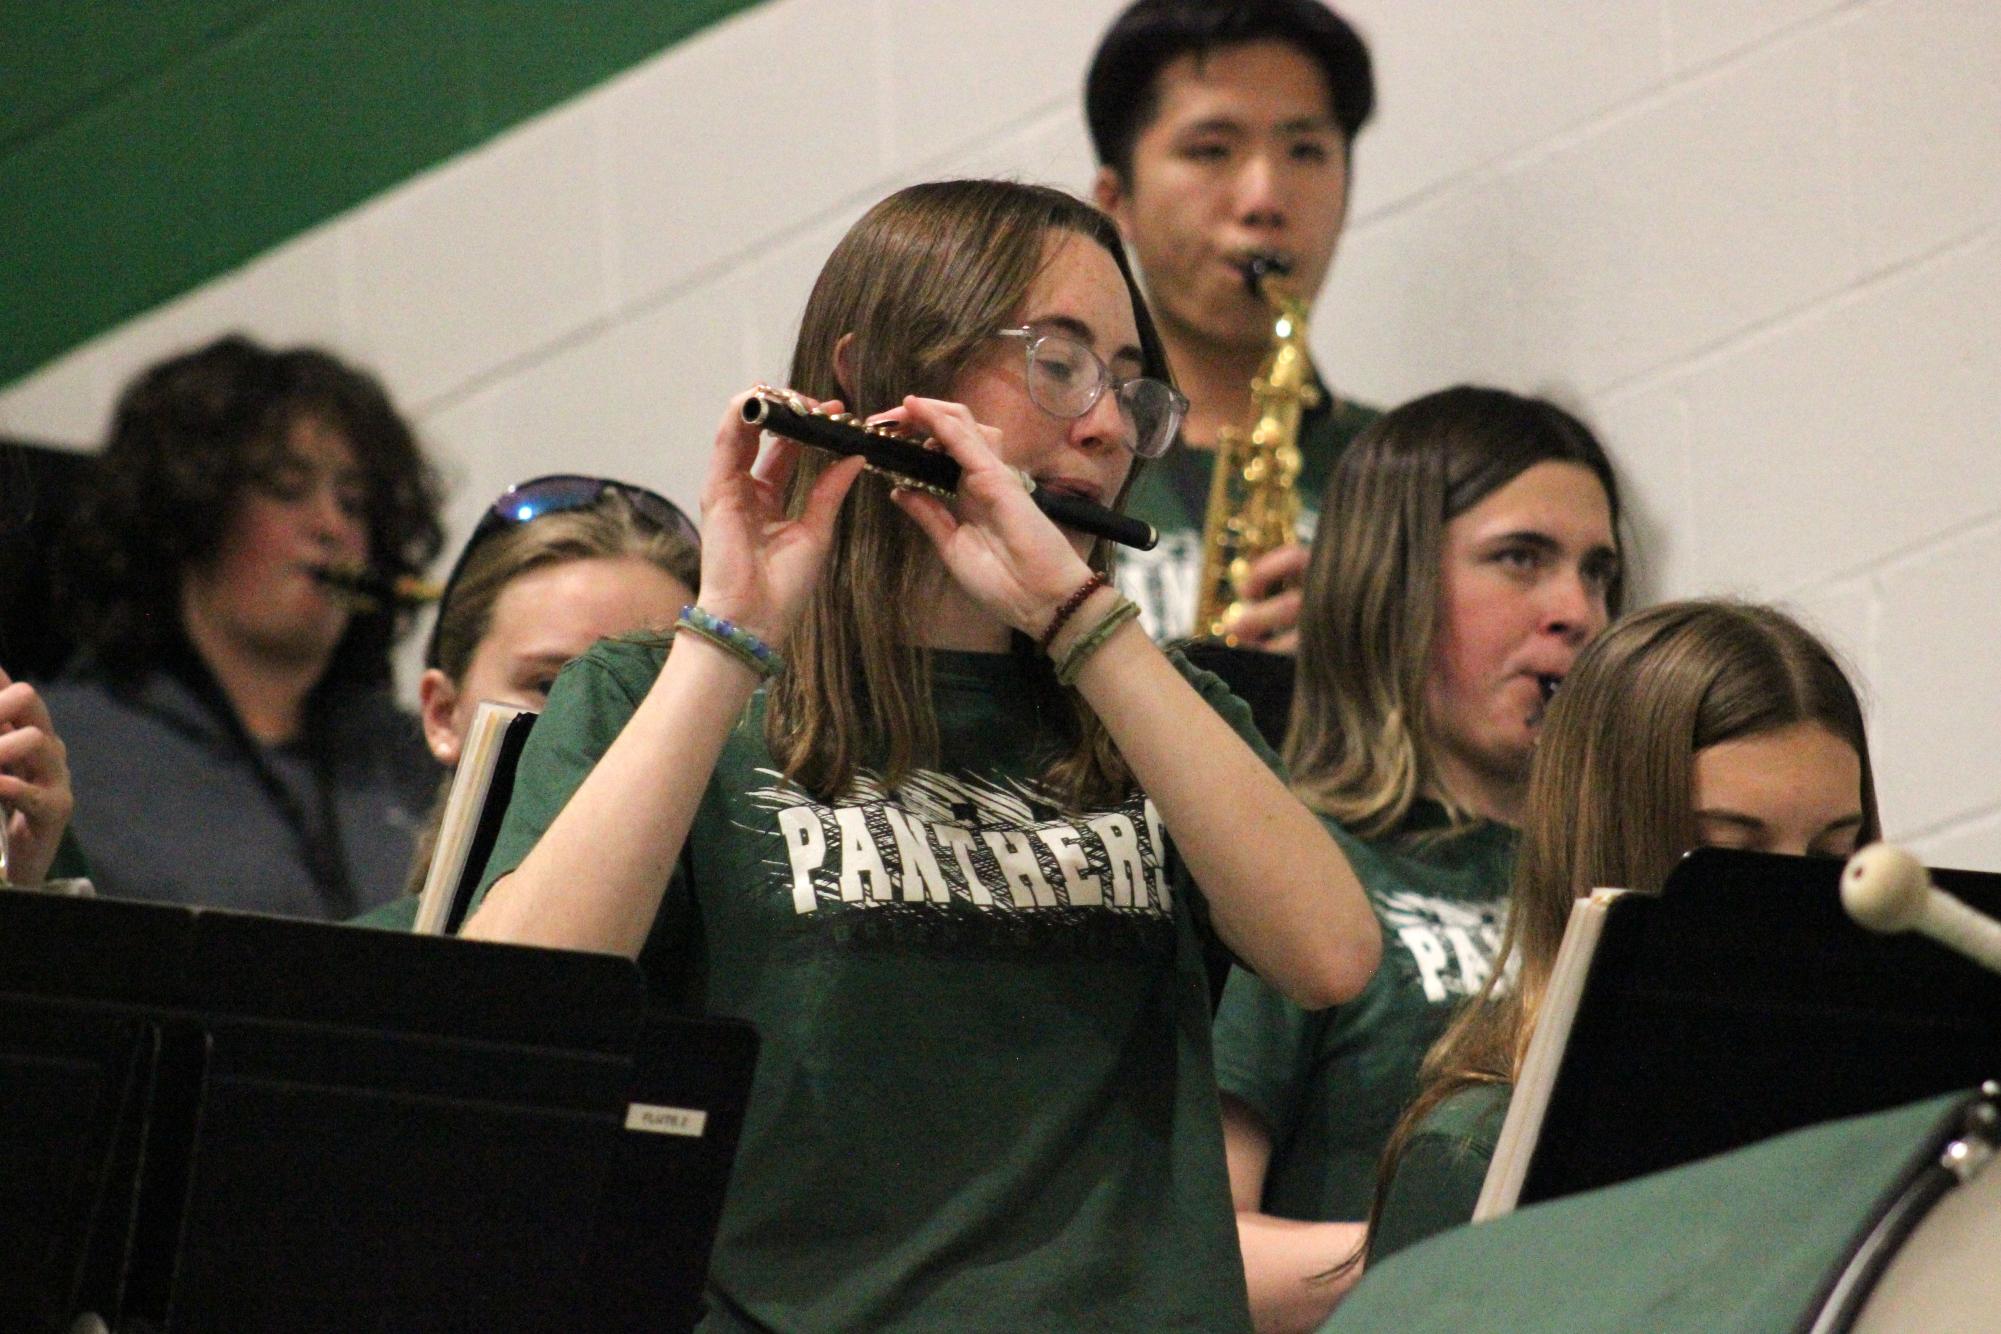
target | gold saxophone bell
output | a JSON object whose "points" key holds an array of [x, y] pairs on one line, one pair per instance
{"points": [[1254, 504]]}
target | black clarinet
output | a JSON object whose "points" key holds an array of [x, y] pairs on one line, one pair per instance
{"points": [[785, 413], [369, 590]]}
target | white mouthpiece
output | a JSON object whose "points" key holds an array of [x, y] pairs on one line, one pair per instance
{"points": [[1884, 888]]}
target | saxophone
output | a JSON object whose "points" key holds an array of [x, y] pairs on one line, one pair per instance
{"points": [[1253, 503]]}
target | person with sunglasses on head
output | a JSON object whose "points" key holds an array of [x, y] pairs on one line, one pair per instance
{"points": [[911, 792], [231, 730], [554, 565]]}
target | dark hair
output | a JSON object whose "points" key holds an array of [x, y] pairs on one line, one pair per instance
{"points": [[1121, 93], [921, 282], [188, 435], [1358, 742]]}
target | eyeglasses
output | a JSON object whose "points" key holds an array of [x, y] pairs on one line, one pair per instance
{"points": [[1066, 379], [525, 502]]}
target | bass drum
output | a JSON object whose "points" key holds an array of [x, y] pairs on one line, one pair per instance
{"points": [[1933, 1261]]}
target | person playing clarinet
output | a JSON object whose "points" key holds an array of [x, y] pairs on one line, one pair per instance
{"points": [[229, 718]]}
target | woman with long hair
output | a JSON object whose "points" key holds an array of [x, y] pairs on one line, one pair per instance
{"points": [[1701, 723], [912, 793], [1466, 552]]}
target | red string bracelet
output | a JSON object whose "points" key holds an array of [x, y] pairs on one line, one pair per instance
{"points": [[1069, 608]]}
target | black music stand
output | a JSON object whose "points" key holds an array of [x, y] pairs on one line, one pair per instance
{"points": [[1742, 1002], [223, 1121], [1263, 681], [39, 489], [1260, 679]]}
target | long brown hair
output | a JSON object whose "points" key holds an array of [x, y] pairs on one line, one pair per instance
{"points": [[922, 282], [1610, 798], [1357, 745]]}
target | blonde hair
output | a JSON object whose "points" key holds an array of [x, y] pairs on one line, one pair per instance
{"points": [[922, 282], [1610, 798], [1358, 744], [608, 528]]}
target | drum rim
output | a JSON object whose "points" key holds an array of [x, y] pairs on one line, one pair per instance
{"points": [[1924, 1181]]}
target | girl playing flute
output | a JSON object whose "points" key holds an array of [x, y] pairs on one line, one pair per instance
{"points": [[912, 792]]}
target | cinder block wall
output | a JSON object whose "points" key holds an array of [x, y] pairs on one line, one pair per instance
{"points": [[1757, 242]]}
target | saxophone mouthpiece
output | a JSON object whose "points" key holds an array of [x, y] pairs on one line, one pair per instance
{"points": [[1260, 265]]}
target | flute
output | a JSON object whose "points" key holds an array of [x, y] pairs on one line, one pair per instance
{"points": [[785, 413]]}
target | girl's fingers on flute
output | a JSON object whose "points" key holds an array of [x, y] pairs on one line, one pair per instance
{"points": [[735, 447], [780, 455], [776, 461], [823, 501], [972, 444], [933, 517]]}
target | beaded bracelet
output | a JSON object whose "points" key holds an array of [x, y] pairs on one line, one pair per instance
{"points": [[1093, 640], [1069, 609], [733, 639]]}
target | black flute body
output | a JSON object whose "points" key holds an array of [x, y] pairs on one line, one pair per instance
{"points": [[784, 413]]}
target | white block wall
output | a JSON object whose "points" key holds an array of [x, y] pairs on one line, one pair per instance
{"points": [[1757, 242]]}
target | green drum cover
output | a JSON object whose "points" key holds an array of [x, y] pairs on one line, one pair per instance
{"points": [[1747, 1241]]}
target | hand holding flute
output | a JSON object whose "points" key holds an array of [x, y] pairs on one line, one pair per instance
{"points": [[994, 526], [785, 413], [759, 564]]}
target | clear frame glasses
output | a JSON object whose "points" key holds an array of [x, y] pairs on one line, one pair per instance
{"points": [[1066, 379]]}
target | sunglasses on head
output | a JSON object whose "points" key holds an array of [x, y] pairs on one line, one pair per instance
{"points": [[557, 493]]}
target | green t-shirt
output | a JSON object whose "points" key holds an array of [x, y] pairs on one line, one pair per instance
{"points": [[396, 915], [1172, 494], [1331, 1084], [985, 1098], [1444, 1165]]}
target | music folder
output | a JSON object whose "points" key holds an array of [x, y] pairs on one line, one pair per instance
{"points": [[223, 1121], [475, 806], [1739, 1003]]}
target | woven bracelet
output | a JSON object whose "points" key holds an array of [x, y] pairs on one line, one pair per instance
{"points": [[733, 639], [1093, 640]]}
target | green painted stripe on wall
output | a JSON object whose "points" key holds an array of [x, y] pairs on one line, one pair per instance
{"points": [[145, 148]]}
